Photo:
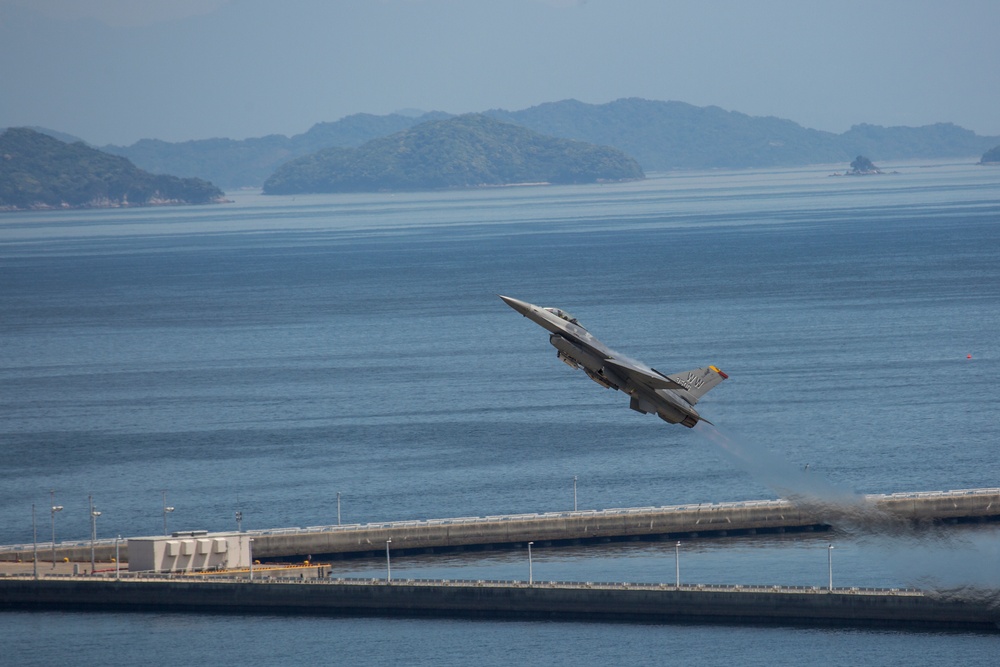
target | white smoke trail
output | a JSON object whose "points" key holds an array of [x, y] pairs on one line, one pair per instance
{"points": [[849, 512], [952, 566], [930, 557], [788, 481]]}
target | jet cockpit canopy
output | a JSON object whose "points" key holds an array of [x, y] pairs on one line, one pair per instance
{"points": [[562, 314]]}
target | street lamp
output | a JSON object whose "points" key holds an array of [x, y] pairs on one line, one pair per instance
{"points": [[166, 510], [250, 553], [55, 508], [829, 563], [388, 565], [338, 508], [531, 577], [118, 559], [34, 542], [677, 565], [574, 493], [93, 531]]}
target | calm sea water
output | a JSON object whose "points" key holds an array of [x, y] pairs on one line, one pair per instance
{"points": [[265, 355]]}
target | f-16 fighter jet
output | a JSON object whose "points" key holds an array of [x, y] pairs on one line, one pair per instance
{"points": [[670, 397]]}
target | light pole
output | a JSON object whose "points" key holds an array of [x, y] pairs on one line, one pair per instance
{"points": [[55, 508], [239, 521], [574, 493], [338, 508], [117, 559], [829, 564], [93, 531], [531, 576], [250, 552], [34, 542], [677, 565], [388, 565], [166, 510]]}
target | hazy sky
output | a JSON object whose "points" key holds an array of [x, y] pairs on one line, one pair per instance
{"points": [[114, 71]]}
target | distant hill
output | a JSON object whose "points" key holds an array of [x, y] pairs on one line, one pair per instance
{"points": [[941, 140], [675, 135], [40, 171], [61, 136], [248, 162], [465, 151], [659, 135]]}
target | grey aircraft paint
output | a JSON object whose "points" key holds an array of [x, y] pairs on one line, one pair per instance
{"points": [[670, 397]]}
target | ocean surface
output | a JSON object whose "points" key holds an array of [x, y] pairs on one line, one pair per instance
{"points": [[266, 355]]}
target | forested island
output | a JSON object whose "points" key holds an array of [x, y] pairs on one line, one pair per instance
{"points": [[466, 151], [660, 136], [992, 156], [38, 171], [862, 166]]}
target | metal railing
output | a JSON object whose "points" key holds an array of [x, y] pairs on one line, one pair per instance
{"points": [[260, 577]]}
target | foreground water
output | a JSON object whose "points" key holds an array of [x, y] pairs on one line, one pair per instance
{"points": [[266, 355]]}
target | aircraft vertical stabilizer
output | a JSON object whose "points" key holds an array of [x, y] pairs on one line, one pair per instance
{"points": [[696, 383]]}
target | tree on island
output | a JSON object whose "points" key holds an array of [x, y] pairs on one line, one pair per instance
{"points": [[863, 166], [992, 156]]}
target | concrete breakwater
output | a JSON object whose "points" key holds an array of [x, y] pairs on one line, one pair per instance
{"points": [[575, 527], [656, 603], [671, 522], [720, 519]]}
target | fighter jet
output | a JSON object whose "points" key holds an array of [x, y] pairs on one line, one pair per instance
{"points": [[670, 397]]}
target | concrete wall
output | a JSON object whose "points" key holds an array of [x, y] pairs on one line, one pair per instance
{"points": [[511, 600], [672, 522], [734, 518]]}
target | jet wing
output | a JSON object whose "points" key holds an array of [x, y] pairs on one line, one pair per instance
{"points": [[642, 376]]}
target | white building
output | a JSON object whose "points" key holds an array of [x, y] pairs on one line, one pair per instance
{"points": [[189, 551]]}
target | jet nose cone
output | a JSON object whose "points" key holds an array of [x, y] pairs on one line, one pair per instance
{"points": [[522, 307]]}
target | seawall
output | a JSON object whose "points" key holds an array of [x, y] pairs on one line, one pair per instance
{"points": [[670, 522], [648, 603]]}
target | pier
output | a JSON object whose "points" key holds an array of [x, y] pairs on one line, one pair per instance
{"points": [[580, 527]]}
